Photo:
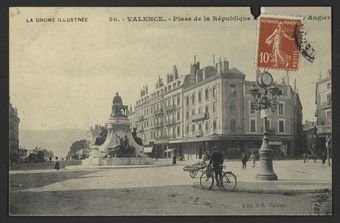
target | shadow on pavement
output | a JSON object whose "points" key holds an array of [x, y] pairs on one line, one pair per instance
{"points": [[34, 180]]}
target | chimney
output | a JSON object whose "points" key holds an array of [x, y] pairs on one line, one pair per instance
{"points": [[213, 59], [167, 78], [197, 70], [203, 76], [219, 66], [225, 66], [192, 69], [146, 89], [194, 59], [175, 72]]}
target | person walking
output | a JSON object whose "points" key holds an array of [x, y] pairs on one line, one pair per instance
{"points": [[244, 161], [323, 159], [56, 165], [174, 159], [305, 157], [253, 159]]}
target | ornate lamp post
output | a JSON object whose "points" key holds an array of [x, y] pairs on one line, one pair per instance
{"points": [[264, 101]]}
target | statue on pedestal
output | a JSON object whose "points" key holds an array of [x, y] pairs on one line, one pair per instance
{"points": [[117, 105]]}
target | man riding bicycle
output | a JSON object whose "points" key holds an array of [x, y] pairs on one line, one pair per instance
{"points": [[217, 160]]}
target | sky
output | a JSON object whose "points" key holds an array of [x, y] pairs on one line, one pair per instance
{"points": [[64, 75]]}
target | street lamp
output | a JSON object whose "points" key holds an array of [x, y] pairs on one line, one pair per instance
{"points": [[265, 101]]}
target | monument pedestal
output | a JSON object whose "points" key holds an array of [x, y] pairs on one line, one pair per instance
{"points": [[112, 161], [119, 142]]}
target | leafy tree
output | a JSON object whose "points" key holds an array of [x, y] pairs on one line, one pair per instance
{"points": [[80, 147], [40, 156]]}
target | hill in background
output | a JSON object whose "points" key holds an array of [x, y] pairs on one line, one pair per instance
{"points": [[59, 140]]}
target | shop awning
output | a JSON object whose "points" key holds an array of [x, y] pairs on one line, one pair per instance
{"points": [[169, 150], [148, 149]]}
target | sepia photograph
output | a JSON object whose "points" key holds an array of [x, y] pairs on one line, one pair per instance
{"points": [[170, 111]]}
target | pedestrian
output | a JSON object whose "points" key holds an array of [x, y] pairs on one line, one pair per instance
{"points": [[244, 161], [305, 157], [50, 159], [323, 159], [174, 159], [206, 157], [253, 158], [56, 165], [217, 162]]}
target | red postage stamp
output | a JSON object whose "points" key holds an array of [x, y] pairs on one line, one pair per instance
{"points": [[277, 46]]}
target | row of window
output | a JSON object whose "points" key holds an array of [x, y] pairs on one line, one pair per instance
{"points": [[171, 101], [169, 117], [199, 110], [170, 131], [199, 96], [233, 126], [199, 125], [281, 122]]}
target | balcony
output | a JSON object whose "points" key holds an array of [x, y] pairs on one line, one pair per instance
{"points": [[163, 137], [159, 124], [158, 112], [170, 107], [170, 122], [199, 133], [200, 117]]}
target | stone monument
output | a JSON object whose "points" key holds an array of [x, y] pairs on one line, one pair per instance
{"points": [[119, 147]]}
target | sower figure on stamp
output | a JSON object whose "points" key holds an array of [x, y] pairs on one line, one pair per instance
{"points": [[279, 56]]}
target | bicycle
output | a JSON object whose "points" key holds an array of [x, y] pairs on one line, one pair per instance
{"points": [[207, 180], [195, 168]]}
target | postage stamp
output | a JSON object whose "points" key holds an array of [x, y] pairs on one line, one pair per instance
{"points": [[277, 46]]}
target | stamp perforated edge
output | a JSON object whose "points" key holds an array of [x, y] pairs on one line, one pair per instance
{"points": [[264, 15]]}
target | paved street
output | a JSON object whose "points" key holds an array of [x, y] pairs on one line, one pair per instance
{"points": [[166, 190]]}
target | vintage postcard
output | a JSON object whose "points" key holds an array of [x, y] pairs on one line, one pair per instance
{"points": [[163, 111]]}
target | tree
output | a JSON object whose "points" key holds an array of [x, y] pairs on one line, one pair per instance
{"points": [[76, 148], [40, 156]]}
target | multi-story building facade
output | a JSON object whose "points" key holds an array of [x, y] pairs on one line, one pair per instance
{"points": [[158, 115], [13, 133], [213, 108], [323, 101]]}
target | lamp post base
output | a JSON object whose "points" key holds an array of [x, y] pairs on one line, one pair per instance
{"points": [[266, 177], [266, 171]]}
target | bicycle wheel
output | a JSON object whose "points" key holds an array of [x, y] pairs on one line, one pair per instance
{"points": [[193, 174], [206, 181], [229, 181]]}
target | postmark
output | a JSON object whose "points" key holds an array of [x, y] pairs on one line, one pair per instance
{"points": [[321, 203], [277, 46]]}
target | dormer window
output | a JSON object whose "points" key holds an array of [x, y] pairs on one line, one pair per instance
{"points": [[232, 90]]}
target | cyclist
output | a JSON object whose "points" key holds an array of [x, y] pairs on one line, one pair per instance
{"points": [[217, 160]]}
